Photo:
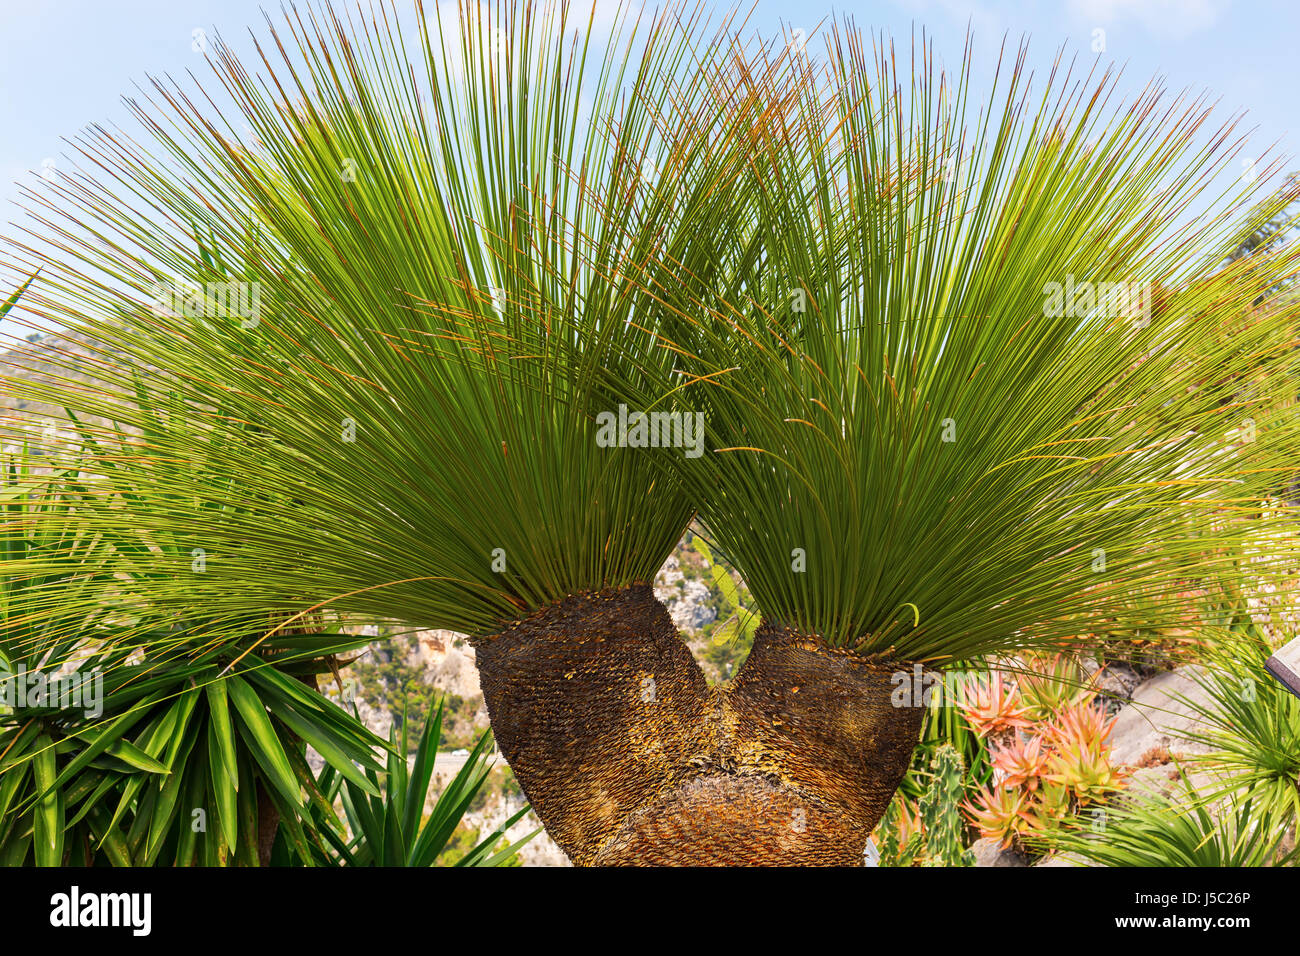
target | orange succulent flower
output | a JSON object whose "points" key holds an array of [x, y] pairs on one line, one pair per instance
{"points": [[992, 705], [1081, 760], [1022, 763], [1000, 814]]}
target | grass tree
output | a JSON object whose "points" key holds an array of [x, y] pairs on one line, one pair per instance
{"points": [[478, 262], [382, 228], [989, 391], [986, 391]]}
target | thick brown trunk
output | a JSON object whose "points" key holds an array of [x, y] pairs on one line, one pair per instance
{"points": [[629, 757]]}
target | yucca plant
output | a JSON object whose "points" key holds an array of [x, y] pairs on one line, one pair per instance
{"points": [[387, 824], [166, 756], [153, 749], [477, 263]]}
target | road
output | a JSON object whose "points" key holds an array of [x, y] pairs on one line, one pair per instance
{"points": [[448, 764]]}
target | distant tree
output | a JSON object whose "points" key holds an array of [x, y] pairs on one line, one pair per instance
{"points": [[1273, 231]]}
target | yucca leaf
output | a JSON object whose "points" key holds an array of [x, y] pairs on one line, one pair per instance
{"points": [[91, 802], [110, 839], [347, 732], [222, 736], [483, 855], [225, 782], [256, 729], [164, 812], [111, 740], [426, 755], [49, 819], [17, 840], [198, 777], [11, 781], [325, 744], [245, 852]]}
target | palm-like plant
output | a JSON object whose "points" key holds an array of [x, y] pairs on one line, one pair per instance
{"points": [[387, 822], [461, 269], [401, 232], [905, 378], [927, 447], [159, 737]]}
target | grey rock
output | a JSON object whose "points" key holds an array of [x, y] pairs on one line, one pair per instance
{"points": [[990, 852], [1154, 717], [1116, 681], [687, 601]]}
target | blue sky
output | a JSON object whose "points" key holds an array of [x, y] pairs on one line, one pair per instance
{"points": [[66, 63]]}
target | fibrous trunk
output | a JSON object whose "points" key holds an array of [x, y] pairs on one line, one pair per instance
{"points": [[629, 757]]}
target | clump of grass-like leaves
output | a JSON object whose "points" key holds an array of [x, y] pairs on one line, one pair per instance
{"points": [[992, 381]]}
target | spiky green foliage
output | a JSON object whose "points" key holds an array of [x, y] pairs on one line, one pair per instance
{"points": [[1250, 723], [1273, 231], [405, 418], [914, 450], [161, 723], [921, 446], [183, 739], [370, 242], [387, 823], [1178, 832]]}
